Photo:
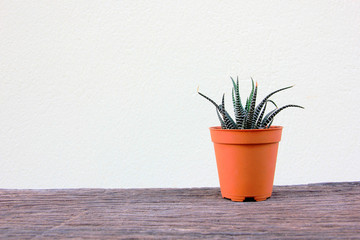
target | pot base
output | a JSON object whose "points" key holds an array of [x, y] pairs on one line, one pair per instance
{"points": [[242, 198]]}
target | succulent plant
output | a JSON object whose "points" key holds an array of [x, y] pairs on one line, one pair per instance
{"points": [[250, 115]]}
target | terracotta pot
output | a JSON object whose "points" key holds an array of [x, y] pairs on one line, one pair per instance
{"points": [[246, 161]]}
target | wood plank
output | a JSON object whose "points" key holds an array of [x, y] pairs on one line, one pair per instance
{"points": [[316, 211]]}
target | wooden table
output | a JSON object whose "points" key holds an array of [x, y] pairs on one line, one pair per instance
{"points": [[316, 211]]}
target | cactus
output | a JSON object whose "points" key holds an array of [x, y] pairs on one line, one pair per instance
{"points": [[250, 116]]}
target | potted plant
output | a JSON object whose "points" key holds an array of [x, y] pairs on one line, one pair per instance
{"points": [[246, 148]]}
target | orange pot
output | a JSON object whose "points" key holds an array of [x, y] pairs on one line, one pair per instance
{"points": [[246, 161]]}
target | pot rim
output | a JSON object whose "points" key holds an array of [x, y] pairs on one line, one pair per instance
{"points": [[246, 136], [272, 128]]}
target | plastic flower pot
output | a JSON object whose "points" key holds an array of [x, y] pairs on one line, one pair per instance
{"points": [[246, 161]]}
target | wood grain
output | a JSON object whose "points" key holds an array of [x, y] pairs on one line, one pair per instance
{"points": [[317, 211]]}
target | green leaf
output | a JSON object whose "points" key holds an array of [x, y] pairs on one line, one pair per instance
{"points": [[252, 120], [250, 117], [248, 102], [258, 122], [238, 108], [223, 126], [269, 118], [229, 122], [261, 104], [272, 102], [266, 117], [209, 99], [269, 125]]}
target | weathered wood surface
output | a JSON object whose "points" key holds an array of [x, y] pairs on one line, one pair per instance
{"points": [[318, 211]]}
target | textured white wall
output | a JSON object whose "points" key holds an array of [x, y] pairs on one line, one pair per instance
{"points": [[103, 93]]}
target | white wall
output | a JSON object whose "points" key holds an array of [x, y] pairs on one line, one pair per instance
{"points": [[103, 93]]}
